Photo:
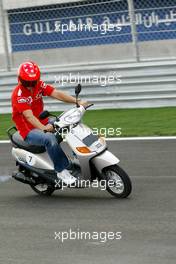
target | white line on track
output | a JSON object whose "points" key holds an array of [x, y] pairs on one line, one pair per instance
{"points": [[140, 138], [120, 139]]}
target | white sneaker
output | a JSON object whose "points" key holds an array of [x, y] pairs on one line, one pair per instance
{"points": [[66, 177]]}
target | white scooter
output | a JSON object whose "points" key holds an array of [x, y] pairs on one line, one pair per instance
{"points": [[89, 154]]}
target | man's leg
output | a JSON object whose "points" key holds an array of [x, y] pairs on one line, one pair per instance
{"points": [[48, 140]]}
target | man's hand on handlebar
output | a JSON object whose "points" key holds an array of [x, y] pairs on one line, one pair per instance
{"points": [[49, 128], [83, 103]]}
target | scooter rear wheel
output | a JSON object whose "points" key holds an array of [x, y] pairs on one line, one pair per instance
{"points": [[43, 189], [122, 184]]}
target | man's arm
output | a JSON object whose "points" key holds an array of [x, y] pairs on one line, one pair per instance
{"points": [[65, 97], [35, 122]]}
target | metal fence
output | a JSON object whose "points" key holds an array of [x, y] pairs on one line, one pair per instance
{"points": [[144, 84], [145, 27]]}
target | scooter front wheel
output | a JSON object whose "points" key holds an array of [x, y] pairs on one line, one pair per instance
{"points": [[118, 182], [43, 189]]}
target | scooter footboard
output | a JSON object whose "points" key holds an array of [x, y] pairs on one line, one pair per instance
{"points": [[104, 160]]}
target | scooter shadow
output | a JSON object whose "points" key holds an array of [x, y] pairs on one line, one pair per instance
{"points": [[73, 197]]}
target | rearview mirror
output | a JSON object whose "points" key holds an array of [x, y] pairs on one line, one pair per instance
{"points": [[78, 89]]}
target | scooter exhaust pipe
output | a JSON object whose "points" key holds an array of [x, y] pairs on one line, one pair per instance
{"points": [[19, 176]]}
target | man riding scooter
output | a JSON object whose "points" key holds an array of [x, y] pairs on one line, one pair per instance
{"points": [[27, 104]]}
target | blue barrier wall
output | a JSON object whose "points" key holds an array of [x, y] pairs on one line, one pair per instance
{"points": [[35, 28]]}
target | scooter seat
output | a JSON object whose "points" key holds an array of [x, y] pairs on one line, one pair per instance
{"points": [[18, 141]]}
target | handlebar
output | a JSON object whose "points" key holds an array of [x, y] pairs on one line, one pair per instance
{"points": [[57, 118], [88, 106]]}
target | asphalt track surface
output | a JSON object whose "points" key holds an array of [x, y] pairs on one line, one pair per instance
{"points": [[147, 219]]}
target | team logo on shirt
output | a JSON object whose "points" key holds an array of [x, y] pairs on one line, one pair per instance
{"points": [[23, 100], [43, 85], [29, 100], [39, 95], [19, 92]]}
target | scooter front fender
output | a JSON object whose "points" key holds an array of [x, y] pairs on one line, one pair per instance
{"points": [[104, 160]]}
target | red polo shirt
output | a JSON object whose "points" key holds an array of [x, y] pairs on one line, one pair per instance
{"points": [[23, 99]]}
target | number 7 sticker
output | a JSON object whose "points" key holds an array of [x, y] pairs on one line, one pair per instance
{"points": [[30, 159]]}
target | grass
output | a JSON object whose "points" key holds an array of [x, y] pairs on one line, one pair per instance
{"points": [[133, 122]]}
